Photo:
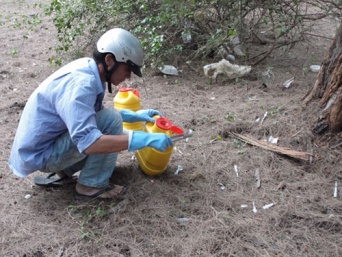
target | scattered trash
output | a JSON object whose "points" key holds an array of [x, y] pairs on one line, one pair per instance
{"points": [[288, 82], [267, 206], [281, 185], [212, 98], [61, 251], [133, 157], [186, 36], [253, 98], [262, 119], [236, 170], [268, 74], [231, 57], [257, 178], [213, 140], [221, 186], [224, 67], [267, 77], [224, 52], [315, 68], [332, 99], [179, 151], [179, 169], [28, 196], [273, 140], [254, 208], [244, 205], [236, 46], [169, 70], [297, 133], [183, 220], [335, 190]]}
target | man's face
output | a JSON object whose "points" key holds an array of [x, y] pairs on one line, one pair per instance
{"points": [[122, 73]]}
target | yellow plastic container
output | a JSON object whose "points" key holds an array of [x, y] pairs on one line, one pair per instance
{"points": [[129, 98], [151, 161]]}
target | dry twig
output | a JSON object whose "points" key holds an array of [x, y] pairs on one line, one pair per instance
{"points": [[275, 148]]}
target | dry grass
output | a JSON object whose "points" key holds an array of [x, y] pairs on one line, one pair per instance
{"points": [[306, 220]]}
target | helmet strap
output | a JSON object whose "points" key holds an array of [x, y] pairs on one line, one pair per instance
{"points": [[109, 74]]}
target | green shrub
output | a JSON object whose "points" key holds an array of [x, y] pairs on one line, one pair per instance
{"points": [[213, 27]]}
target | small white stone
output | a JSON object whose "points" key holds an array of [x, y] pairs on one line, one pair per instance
{"points": [[28, 196]]}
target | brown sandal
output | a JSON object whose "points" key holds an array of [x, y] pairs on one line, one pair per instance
{"points": [[88, 198]]}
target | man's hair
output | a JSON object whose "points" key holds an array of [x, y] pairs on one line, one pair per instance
{"points": [[99, 57]]}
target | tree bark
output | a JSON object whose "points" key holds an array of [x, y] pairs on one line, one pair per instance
{"points": [[328, 85]]}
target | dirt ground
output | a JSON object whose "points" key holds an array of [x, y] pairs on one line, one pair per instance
{"points": [[207, 209]]}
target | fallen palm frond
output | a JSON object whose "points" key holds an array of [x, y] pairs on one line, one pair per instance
{"points": [[275, 148]]}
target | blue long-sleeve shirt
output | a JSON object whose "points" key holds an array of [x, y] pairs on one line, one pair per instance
{"points": [[67, 101]]}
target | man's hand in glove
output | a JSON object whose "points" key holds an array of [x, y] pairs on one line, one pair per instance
{"points": [[139, 139], [141, 115]]}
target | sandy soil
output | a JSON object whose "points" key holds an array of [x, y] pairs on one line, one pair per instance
{"points": [[306, 220]]}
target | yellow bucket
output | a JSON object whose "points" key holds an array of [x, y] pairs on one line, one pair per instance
{"points": [[129, 98], [151, 161]]}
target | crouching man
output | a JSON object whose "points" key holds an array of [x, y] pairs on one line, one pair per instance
{"points": [[65, 129]]}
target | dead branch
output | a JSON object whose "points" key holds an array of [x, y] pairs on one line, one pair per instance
{"points": [[274, 148]]}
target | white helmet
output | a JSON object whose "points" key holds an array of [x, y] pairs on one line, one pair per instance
{"points": [[125, 47]]}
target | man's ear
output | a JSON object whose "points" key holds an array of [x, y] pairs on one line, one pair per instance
{"points": [[110, 62]]}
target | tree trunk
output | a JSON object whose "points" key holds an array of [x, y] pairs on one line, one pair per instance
{"points": [[328, 85]]}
